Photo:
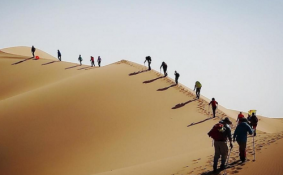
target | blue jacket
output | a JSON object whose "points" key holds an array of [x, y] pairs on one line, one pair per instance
{"points": [[241, 132]]}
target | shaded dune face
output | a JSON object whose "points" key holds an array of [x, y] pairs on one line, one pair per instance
{"points": [[61, 118]]}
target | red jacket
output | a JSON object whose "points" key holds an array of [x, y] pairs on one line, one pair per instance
{"points": [[213, 103]]}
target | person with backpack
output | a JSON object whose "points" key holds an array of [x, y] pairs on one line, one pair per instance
{"points": [[197, 88], [148, 60], [253, 122], [32, 51], [241, 136], [92, 61], [177, 75], [80, 59], [240, 116], [59, 55], [214, 105], [164, 66], [99, 60], [220, 133]]}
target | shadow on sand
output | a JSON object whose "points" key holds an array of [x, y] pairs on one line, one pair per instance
{"points": [[163, 89], [84, 68], [22, 61], [50, 62], [89, 68], [72, 67], [183, 104], [229, 166], [135, 73], [192, 124], [150, 81]]}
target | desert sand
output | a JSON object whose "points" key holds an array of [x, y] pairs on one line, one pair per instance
{"points": [[64, 119]]}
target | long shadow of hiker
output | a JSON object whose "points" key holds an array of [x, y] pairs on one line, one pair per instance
{"points": [[72, 67], [135, 73], [183, 104], [84, 68], [163, 89], [230, 165], [195, 123], [50, 62], [22, 61], [149, 81]]}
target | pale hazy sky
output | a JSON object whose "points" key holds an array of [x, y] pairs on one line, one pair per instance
{"points": [[234, 48]]}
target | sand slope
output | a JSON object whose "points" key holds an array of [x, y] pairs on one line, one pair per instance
{"points": [[117, 119], [24, 51], [25, 74]]}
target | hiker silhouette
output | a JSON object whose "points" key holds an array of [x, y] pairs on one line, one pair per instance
{"points": [[33, 49], [214, 105], [148, 60], [59, 55], [177, 75], [92, 61], [80, 59], [164, 66], [99, 60], [197, 88]]}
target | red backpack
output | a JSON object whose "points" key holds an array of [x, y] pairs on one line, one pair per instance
{"points": [[218, 132]]}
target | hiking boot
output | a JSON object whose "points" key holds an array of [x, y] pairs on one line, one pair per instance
{"points": [[214, 168], [222, 167]]}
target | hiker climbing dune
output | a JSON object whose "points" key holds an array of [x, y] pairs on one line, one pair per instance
{"points": [[220, 133], [214, 105]]}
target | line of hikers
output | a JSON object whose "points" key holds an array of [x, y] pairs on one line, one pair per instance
{"points": [[221, 132], [197, 87], [92, 63]]}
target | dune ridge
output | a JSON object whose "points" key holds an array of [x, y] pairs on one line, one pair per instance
{"points": [[61, 118]]}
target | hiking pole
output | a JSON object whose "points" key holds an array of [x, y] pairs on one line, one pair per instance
{"points": [[254, 146], [208, 111], [227, 161]]}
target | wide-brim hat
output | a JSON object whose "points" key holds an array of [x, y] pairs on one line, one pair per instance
{"points": [[227, 120]]}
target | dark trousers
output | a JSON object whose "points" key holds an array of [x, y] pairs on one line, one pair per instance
{"points": [[221, 149], [99, 63], [149, 68], [214, 110], [59, 58], [92, 63], [198, 92], [176, 80], [165, 71], [32, 54], [242, 150], [80, 62]]}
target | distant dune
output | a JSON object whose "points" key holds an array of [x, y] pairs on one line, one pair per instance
{"points": [[64, 119]]}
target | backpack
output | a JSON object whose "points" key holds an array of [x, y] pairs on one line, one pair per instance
{"points": [[148, 58], [218, 132], [198, 84]]}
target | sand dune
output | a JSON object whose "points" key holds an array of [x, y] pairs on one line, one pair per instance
{"points": [[60, 118], [24, 51]]}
